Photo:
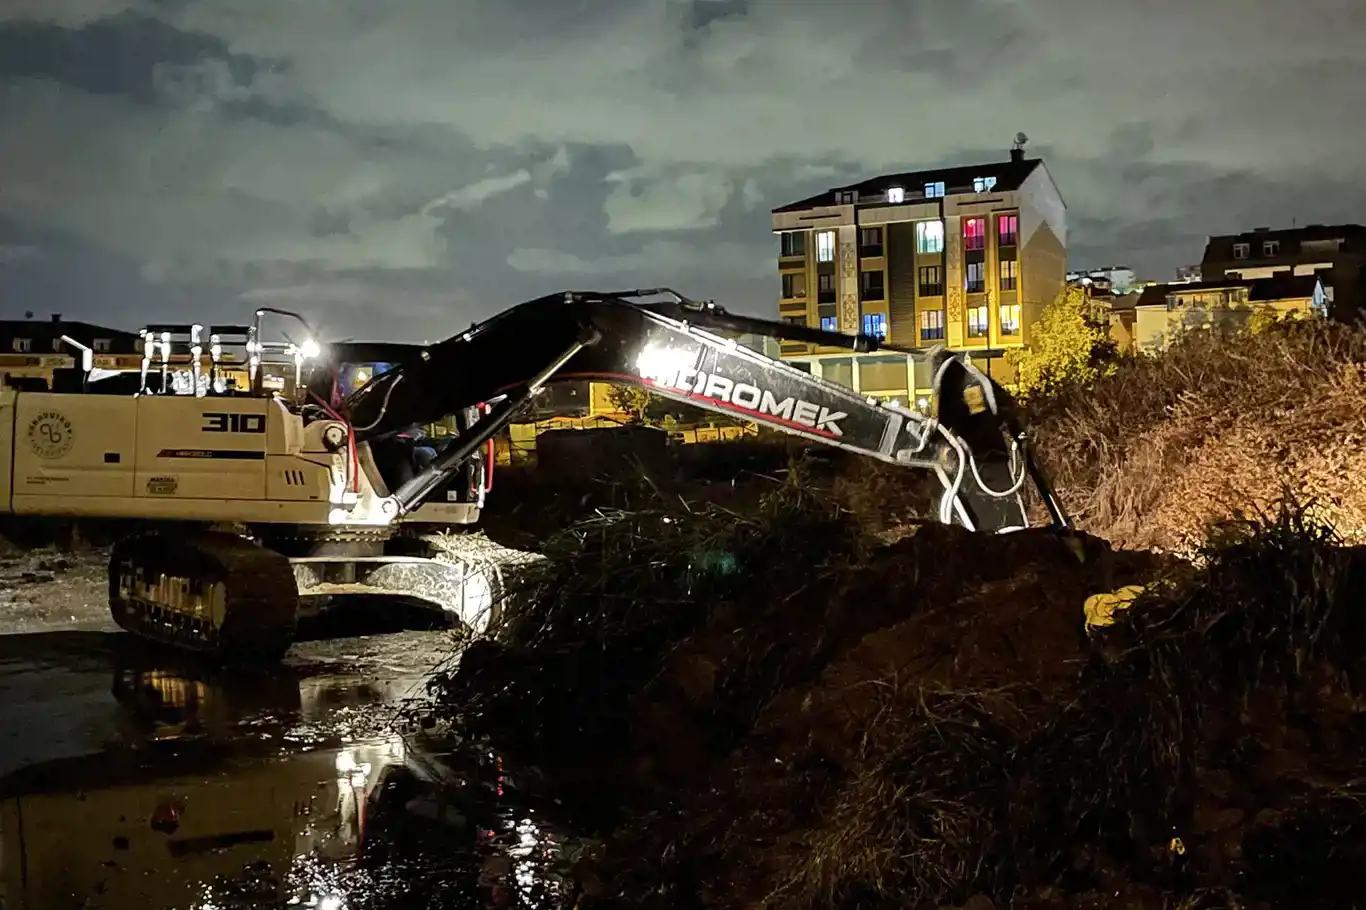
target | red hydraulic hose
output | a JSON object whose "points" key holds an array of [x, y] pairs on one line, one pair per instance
{"points": [[488, 467]]}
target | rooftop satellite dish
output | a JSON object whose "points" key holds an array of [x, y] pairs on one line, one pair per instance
{"points": [[1020, 140]]}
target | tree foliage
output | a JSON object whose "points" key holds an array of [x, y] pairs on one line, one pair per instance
{"points": [[643, 407], [631, 400], [1069, 344]]}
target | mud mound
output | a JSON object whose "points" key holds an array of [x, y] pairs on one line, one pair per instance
{"points": [[1218, 425], [788, 712]]}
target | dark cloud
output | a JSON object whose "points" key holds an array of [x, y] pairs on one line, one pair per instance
{"points": [[125, 55], [396, 168]]}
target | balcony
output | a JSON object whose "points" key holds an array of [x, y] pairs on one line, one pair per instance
{"points": [[870, 250]]}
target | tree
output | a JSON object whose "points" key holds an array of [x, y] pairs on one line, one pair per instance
{"points": [[1070, 343], [632, 400]]}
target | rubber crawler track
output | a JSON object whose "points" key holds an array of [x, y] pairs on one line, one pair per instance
{"points": [[259, 612]]}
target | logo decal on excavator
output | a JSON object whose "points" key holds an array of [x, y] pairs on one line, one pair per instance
{"points": [[744, 396], [50, 435]]}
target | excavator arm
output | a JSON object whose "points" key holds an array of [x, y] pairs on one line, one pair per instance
{"points": [[973, 442]]}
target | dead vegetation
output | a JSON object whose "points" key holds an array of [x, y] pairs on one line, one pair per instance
{"points": [[1155, 453]]}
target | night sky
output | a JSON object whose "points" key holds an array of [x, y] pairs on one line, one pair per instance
{"points": [[397, 168]]}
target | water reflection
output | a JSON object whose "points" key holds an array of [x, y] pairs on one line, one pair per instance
{"points": [[206, 809]]}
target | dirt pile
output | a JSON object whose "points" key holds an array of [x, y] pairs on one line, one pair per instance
{"points": [[1151, 455], [789, 711]]}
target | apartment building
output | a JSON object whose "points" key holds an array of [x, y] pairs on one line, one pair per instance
{"points": [[965, 256], [1336, 253]]}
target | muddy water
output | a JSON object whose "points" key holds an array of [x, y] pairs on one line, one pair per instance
{"points": [[132, 778]]}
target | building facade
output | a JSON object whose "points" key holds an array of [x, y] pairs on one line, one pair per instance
{"points": [[966, 257], [32, 348], [1336, 253], [1116, 279], [1164, 311]]}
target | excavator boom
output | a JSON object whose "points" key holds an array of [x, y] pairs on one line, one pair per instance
{"points": [[673, 347]]}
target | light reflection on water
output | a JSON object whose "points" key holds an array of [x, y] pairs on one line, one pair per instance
{"points": [[216, 804]]}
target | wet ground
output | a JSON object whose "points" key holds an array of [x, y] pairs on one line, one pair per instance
{"points": [[130, 777]]}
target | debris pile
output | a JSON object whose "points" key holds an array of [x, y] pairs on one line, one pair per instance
{"points": [[782, 709]]}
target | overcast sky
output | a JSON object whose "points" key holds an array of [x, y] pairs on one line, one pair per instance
{"points": [[397, 168]]}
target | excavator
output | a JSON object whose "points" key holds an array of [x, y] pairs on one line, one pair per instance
{"points": [[251, 494]]}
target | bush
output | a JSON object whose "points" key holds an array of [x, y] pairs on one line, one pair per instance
{"points": [[1154, 453]]}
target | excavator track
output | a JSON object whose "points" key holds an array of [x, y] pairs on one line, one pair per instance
{"points": [[210, 592]]}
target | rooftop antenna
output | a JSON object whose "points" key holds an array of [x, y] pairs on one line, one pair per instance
{"points": [[1020, 140]]}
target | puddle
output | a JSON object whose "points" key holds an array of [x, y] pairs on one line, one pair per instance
{"points": [[185, 787]]}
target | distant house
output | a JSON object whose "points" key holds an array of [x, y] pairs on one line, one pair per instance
{"points": [[32, 348], [1336, 253], [1163, 311]]}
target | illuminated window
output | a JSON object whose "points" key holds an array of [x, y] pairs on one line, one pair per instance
{"points": [[931, 281], [1008, 230], [1010, 319], [977, 321], [875, 324], [825, 246], [929, 236], [975, 280], [103, 345], [896, 195], [1240, 250], [934, 190], [931, 325], [1009, 274], [983, 184], [830, 324], [22, 345], [975, 234]]}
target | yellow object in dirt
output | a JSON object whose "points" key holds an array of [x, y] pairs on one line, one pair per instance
{"points": [[1101, 608]]}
